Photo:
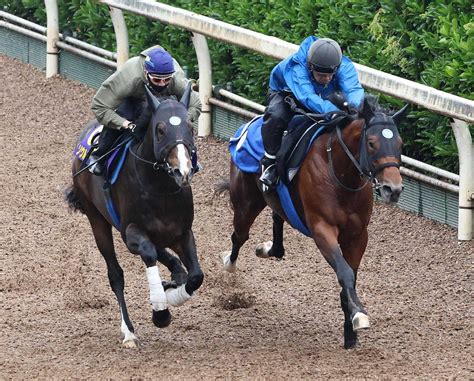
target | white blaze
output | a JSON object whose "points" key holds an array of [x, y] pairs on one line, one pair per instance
{"points": [[184, 163]]}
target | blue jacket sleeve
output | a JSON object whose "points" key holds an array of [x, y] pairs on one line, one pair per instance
{"points": [[301, 86], [348, 81]]}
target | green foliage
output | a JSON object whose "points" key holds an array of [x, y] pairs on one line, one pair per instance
{"points": [[430, 42]]}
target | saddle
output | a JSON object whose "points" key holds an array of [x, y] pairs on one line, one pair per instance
{"points": [[296, 141]]}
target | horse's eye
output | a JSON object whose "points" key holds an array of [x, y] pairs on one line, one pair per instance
{"points": [[371, 145], [160, 130]]}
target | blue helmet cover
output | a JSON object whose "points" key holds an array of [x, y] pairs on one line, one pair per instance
{"points": [[159, 62]]}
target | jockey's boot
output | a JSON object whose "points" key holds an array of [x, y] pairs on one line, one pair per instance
{"points": [[269, 176], [107, 139], [98, 167]]}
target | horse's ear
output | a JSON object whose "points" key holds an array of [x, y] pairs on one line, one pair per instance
{"points": [[399, 115], [367, 111], [153, 103], [187, 95]]}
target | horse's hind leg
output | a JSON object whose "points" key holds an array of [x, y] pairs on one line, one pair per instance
{"points": [[273, 248], [247, 203], [103, 237]]}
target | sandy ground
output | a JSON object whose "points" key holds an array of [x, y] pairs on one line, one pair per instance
{"points": [[270, 320]]}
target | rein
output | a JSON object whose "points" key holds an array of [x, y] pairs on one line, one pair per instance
{"points": [[155, 164], [352, 159]]}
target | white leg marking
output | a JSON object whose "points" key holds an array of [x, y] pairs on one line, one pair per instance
{"points": [[184, 162], [129, 340], [263, 248], [157, 292], [177, 296], [360, 321], [228, 265]]}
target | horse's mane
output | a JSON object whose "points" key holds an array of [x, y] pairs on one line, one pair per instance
{"points": [[376, 106], [136, 110]]}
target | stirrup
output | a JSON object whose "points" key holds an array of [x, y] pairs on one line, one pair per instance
{"points": [[269, 176]]}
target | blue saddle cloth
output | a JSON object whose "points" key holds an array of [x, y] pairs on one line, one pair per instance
{"points": [[114, 165], [114, 161], [246, 150]]}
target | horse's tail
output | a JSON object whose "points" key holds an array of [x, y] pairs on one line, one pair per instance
{"points": [[222, 186], [73, 200]]}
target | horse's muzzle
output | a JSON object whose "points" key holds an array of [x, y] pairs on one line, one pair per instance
{"points": [[182, 180], [390, 193]]}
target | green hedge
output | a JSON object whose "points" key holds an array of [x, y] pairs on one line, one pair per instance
{"points": [[430, 42]]}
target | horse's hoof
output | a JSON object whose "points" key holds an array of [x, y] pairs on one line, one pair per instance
{"points": [[130, 343], [350, 344], [228, 265], [263, 249], [161, 318], [360, 321]]}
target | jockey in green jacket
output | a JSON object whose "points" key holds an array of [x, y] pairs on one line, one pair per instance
{"points": [[154, 68]]}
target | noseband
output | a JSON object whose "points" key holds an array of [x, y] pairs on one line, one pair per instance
{"points": [[365, 165]]}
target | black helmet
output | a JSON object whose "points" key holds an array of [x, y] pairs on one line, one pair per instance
{"points": [[324, 56]]}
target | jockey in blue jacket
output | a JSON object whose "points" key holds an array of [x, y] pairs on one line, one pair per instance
{"points": [[311, 76]]}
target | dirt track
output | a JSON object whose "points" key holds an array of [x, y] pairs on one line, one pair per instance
{"points": [[271, 320]]}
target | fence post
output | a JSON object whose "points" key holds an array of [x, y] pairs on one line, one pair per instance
{"points": [[52, 32], [466, 179], [205, 83], [121, 35]]}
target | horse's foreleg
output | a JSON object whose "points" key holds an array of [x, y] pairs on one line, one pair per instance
{"points": [[103, 237], [353, 249], [325, 237], [275, 248], [186, 250], [139, 243], [174, 265]]}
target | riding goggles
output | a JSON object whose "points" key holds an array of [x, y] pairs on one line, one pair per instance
{"points": [[323, 70], [162, 77]]}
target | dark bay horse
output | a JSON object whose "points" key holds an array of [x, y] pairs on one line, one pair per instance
{"points": [[333, 198], [153, 198]]}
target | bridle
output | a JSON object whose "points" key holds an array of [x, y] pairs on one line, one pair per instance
{"points": [[364, 165], [161, 150]]}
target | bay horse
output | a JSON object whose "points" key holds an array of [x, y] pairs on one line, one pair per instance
{"points": [[154, 200], [333, 198]]}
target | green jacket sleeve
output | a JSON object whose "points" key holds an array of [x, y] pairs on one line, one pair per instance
{"points": [[123, 83]]}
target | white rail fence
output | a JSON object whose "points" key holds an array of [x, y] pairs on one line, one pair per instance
{"points": [[461, 110]]}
